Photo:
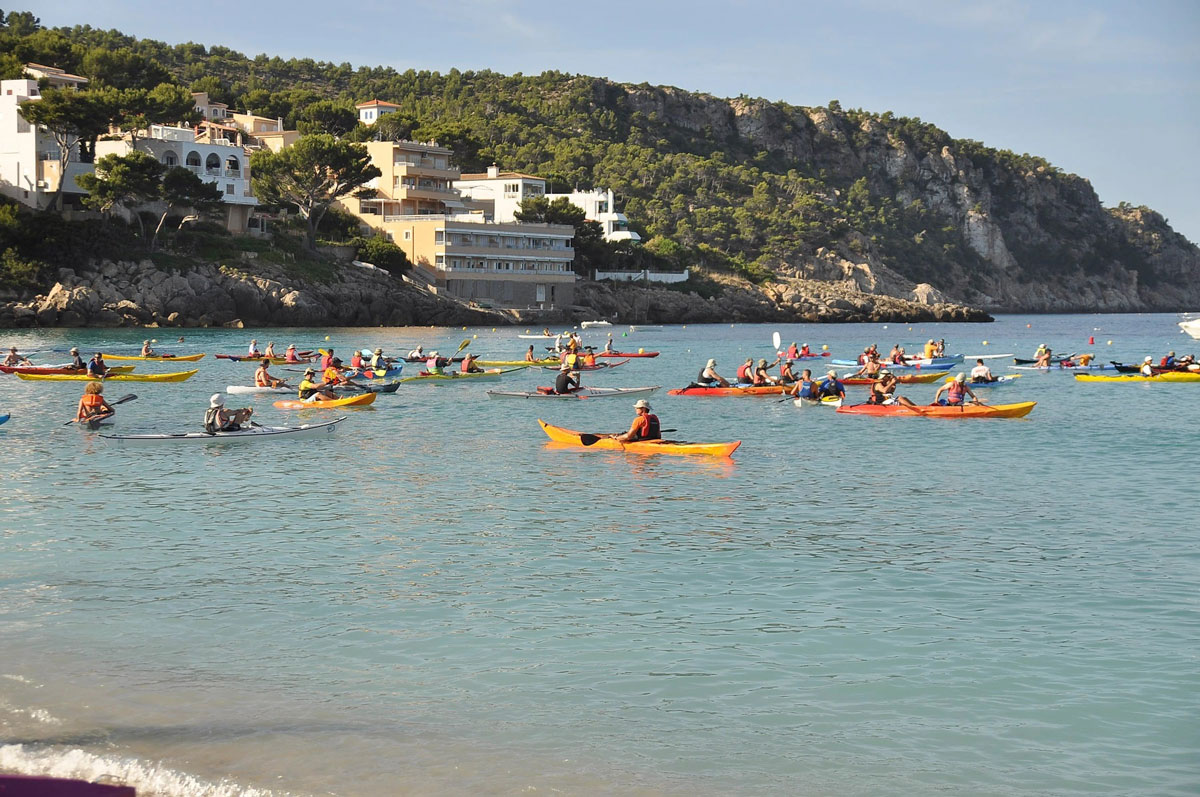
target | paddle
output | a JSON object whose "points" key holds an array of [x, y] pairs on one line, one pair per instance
{"points": [[592, 439], [121, 400], [776, 340]]}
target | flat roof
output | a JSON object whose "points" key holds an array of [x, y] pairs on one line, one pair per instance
{"points": [[502, 176]]}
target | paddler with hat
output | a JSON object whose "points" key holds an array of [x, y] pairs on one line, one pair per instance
{"points": [[290, 354], [567, 380], [644, 427], [709, 377], [956, 391], [77, 363], [312, 390], [219, 419]]}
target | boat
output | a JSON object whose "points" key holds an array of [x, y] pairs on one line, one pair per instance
{"points": [[596, 367], [158, 358], [904, 379], [371, 387], [569, 437], [5, 417], [644, 327], [455, 359], [827, 401], [538, 337], [1064, 368], [375, 373], [177, 376], [518, 363], [254, 432], [638, 353], [359, 400], [590, 324], [1165, 376], [478, 376], [732, 390], [234, 358], [1031, 360], [59, 369], [1191, 327], [1019, 410], [578, 393]]}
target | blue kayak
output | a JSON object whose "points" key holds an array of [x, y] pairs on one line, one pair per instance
{"points": [[4, 418]]}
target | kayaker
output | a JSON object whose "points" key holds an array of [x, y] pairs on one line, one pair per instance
{"points": [[1041, 349], [981, 373], [608, 345], [589, 357], [270, 350], [1147, 368], [311, 390], [1168, 361], [96, 366], [897, 355], [333, 375], [805, 387], [1085, 360], [468, 366], [575, 344], [252, 349], [219, 419], [831, 386], [871, 368], [356, 360], [290, 354], [146, 350], [529, 358], [883, 389], [264, 379], [786, 377], [92, 404], [930, 349], [417, 354], [432, 366], [709, 377], [1043, 357], [567, 380], [804, 351], [762, 375], [571, 359], [14, 358], [644, 427], [378, 361], [745, 372], [956, 391], [793, 352], [326, 359], [77, 362], [940, 351]]}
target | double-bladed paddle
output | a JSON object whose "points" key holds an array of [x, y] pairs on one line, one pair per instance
{"points": [[121, 400], [592, 439]]}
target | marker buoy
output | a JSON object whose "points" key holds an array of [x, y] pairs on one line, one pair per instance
{"points": [[985, 343], [1110, 343], [641, 351], [326, 337], [1091, 340], [824, 347]]}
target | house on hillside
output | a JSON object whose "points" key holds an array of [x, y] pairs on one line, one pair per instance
{"points": [[457, 251], [29, 156], [372, 111]]}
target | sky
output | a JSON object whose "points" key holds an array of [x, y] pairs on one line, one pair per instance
{"points": [[1106, 90]]}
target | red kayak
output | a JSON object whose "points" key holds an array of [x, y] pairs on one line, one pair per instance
{"points": [[627, 354], [47, 369]]}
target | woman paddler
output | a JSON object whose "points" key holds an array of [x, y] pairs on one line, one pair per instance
{"points": [[290, 354], [264, 379], [92, 406]]}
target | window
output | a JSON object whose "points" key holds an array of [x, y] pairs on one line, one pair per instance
{"points": [[439, 237], [512, 188], [229, 189], [407, 235]]}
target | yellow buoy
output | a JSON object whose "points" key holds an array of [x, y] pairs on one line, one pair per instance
{"points": [[985, 343], [474, 337], [641, 351], [326, 337], [824, 347], [1110, 343]]}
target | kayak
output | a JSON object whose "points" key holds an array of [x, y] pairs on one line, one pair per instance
{"points": [[518, 363], [251, 390], [747, 390], [596, 367], [1061, 368], [375, 373], [178, 376], [59, 369], [1031, 360], [486, 376], [538, 337], [561, 435], [389, 387], [5, 417], [999, 381], [1166, 376], [913, 362], [252, 433], [456, 359], [627, 354], [360, 400], [580, 393], [158, 358], [590, 324], [828, 401], [904, 379], [233, 358], [939, 411]]}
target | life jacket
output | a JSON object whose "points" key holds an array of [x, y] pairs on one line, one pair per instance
{"points": [[432, 367], [743, 373], [211, 423], [259, 381], [92, 400], [589, 359], [956, 393], [760, 377], [807, 389], [805, 352], [356, 361], [830, 387], [307, 388], [1165, 362], [378, 363], [701, 379], [793, 352], [649, 429], [326, 360], [332, 376]]}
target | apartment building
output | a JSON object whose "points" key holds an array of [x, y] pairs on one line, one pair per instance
{"points": [[217, 161], [455, 250], [30, 168]]}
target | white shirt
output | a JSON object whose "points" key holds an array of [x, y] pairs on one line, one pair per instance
{"points": [[981, 372]]}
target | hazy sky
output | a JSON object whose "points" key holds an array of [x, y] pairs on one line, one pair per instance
{"points": [[1107, 90]]}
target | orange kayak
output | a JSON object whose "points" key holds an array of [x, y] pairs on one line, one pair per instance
{"points": [[939, 411], [349, 401], [585, 440]]}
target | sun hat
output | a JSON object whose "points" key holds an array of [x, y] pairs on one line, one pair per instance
{"points": [[565, 367], [379, 351], [433, 354], [291, 346], [711, 363], [833, 374], [641, 404], [217, 400], [312, 371], [74, 350], [960, 377], [1148, 360]]}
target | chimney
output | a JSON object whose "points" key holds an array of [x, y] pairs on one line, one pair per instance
{"points": [[493, 172]]}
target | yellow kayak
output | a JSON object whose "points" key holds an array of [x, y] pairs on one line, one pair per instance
{"points": [[178, 376], [183, 358], [1169, 376]]}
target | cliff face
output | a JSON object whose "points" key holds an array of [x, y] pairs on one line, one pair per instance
{"points": [[1034, 239]]}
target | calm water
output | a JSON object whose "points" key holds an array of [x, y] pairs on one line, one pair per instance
{"points": [[436, 602]]}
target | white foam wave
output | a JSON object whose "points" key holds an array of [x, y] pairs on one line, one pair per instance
{"points": [[148, 778], [21, 679]]}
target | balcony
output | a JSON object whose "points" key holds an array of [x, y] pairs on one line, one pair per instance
{"points": [[425, 168]]}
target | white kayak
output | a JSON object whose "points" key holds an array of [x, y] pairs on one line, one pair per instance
{"points": [[248, 390], [242, 435], [581, 393]]}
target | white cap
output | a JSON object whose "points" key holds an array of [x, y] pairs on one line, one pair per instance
{"points": [[217, 400]]}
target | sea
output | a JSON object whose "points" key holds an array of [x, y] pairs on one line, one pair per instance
{"points": [[436, 601]]}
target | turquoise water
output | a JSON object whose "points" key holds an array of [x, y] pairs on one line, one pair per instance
{"points": [[435, 601]]}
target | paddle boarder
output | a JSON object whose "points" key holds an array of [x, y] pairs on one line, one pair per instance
{"points": [[644, 427], [219, 419], [264, 379], [1043, 356], [92, 405], [956, 391]]}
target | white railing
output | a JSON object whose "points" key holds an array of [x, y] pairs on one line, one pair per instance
{"points": [[648, 276]]}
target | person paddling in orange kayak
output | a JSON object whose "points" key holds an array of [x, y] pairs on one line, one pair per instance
{"points": [[644, 427], [956, 391], [311, 390]]}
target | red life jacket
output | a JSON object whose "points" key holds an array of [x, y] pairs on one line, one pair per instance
{"points": [[744, 374]]}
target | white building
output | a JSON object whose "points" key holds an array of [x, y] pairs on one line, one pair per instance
{"points": [[29, 156], [498, 195], [220, 162], [371, 111]]}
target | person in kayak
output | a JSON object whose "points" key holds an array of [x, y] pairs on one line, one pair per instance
{"points": [[333, 375], [1085, 360], [956, 391], [417, 354], [14, 358], [1043, 357], [567, 380], [356, 360], [326, 359], [793, 351], [311, 390], [871, 368], [786, 376], [831, 386], [529, 358], [468, 366], [252, 349], [883, 390], [608, 345], [805, 387], [147, 351], [930, 349], [1147, 368], [762, 375], [708, 376], [264, 379], [92, 405], [77, 362], [1167, 361], [589, 356], [97, 367], [571, 359], [290, 354], [644, 427], [219, 419], [897, 356], [981, 373], [378, 361], [745, 372], [804, 351], [432, 365]]}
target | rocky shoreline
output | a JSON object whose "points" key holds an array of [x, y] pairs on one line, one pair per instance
{"points": [[140, 294]]}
